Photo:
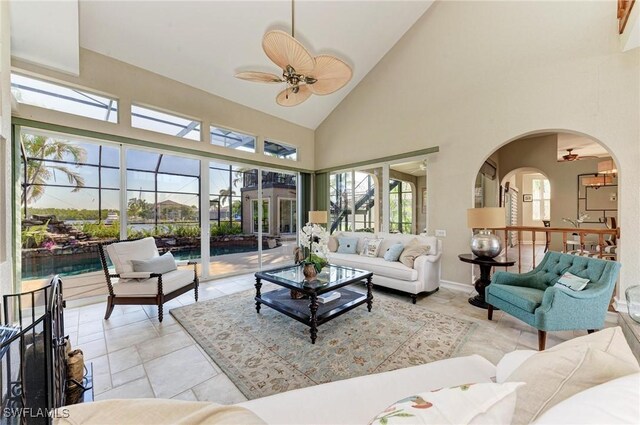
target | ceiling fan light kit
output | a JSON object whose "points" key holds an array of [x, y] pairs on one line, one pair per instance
{"points": [[303, 74]]}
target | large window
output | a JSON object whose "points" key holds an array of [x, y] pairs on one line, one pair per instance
{"points": [[47, 95], [541, 206], [340, 201], [232, 139], [161, 122], [400, 207], [280, 150], [70, 195]]}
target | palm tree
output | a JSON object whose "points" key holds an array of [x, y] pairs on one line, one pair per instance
{"points": [[225, 196], [37, 150]]}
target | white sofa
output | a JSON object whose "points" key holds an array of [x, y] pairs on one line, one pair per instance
{"points": [[424, 277]]}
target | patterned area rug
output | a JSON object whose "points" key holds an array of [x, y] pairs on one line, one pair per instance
{"points": [[269, 353]]}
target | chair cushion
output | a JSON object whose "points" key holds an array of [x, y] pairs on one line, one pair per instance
{"points": [[149, 287], [162, 264], [378, 266], [121, 253], [525, 298]]}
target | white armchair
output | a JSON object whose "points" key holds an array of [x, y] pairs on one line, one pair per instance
{"points": [[127, 286]]}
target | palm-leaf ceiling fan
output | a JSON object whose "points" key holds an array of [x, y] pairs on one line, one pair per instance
{"points": [[304, 74]]}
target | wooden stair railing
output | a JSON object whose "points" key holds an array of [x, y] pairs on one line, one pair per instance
{"points": [[624, 10], [564, 231]]}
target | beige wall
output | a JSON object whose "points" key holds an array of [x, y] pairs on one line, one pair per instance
{"points": [[472, 76], [6, 266], [131, 84]]}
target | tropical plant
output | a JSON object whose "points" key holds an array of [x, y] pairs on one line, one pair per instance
{"points": [[225, 229], [138, 207], [226, 196], [34, 236], [101, 230], [38, 149]]}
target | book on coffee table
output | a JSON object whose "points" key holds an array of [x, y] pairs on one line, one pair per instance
{"points": [[328, 297]]}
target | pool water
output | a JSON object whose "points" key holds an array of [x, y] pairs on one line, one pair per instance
{"points": [[71, 265]]}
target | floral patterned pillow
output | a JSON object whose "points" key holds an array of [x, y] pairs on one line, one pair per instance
{"points": [[464, 404]]}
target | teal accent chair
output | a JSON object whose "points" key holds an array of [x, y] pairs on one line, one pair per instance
{"points": [[532, 298]]}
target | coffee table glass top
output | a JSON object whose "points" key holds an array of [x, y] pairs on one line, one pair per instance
{"points": [[330, 276]]}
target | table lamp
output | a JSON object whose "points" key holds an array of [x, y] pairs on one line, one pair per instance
{"points": [[485, 243], [318, 217]]}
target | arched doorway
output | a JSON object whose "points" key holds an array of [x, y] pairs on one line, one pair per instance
{"points": [[582, 188]]}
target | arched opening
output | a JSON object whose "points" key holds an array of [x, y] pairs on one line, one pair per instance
{"points": [[556, 180]]}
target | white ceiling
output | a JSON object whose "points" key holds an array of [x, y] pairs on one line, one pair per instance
{"points": [[582, 146], [204, 43], [46, 33]]}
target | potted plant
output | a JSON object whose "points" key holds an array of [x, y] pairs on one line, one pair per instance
{"points": [[314, 241]]}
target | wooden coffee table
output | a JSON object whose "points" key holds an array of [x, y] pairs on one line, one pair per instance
{"points": [[310, 311]]}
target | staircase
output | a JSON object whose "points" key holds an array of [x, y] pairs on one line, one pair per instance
{"points": [[362, 206]]}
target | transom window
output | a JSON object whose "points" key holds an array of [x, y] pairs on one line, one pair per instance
{"points": [[232, 139], [280, 150], [162, 122], [60, 98]]}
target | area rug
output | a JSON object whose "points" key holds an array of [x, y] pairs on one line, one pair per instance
{"points": [[269, 353]]}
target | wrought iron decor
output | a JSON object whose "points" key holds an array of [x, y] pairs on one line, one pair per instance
{"points": [[33, 371]]}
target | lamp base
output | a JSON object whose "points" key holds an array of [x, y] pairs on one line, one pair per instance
{"points": [[486, 244]]}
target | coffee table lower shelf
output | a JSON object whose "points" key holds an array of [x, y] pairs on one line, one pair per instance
{"points": [[301, 309]]}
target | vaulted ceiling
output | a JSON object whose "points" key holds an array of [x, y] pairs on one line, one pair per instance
{"points": [[204, 43]]}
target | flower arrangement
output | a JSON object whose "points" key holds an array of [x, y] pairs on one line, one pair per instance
{"points": [[314, 239], [577, 222]]}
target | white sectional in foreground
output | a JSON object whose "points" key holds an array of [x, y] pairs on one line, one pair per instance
{"points": [[424, 277]]}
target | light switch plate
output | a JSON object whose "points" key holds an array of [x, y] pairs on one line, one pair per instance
{"points": [[441, 233]]}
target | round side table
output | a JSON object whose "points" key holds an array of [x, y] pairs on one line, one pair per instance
{"points": [[485, 265]]}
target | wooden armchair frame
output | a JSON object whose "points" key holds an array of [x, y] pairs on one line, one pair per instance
{"points": [[159, 299]]}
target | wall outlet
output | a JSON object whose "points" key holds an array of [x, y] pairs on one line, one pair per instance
{"points": [[441, 233]]}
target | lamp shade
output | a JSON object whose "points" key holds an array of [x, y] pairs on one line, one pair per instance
{"points": [[486, 218], [318, 217], [607, 167]]}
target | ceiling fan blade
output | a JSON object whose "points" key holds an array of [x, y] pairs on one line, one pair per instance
{"points": [[259, 77], [331, 74], [288, 98], [285, 50]]}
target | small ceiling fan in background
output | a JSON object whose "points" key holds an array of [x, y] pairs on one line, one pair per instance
{"points": [[570, 156], [303, 74]]}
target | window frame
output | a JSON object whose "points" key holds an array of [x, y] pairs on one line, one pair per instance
{"points": [[173, 114], [282, 144], [255, 139]]}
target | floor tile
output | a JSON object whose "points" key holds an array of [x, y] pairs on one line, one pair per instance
{"points": [[128, 375], [219, 389], [93, 349], [176, 372], [129, 335], [124, 359], [125, 319], [139, 388], [91, 337], [187, 395], [158, 347]]}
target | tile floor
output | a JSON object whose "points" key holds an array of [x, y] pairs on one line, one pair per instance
{"points": [[135, 356]]}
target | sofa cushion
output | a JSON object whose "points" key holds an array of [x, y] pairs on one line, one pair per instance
{"points": [[347, 245], [149, 287], [393, 253], [360, 236], [556, 374], [523, 297], [376, 265], [371, 246], [485, 403], [611, 340], [332, 244], [410, 253], [121, 253], [389, 240], [162, 264], [614, 402]]}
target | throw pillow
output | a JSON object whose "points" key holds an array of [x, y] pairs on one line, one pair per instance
{"points": [[394, 252], [332, 244], [465, 404], [610, 340], [571, 282], [614, 402], [412, 252], [162, 264], [347, 245], [555, 375], [371, 247]]}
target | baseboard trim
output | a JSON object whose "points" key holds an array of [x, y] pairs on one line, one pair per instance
{"points": [[612, 317], [456, 286]]}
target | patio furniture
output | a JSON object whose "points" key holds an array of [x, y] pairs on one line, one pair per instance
{"points": [[142, 288], [532, 297]]}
